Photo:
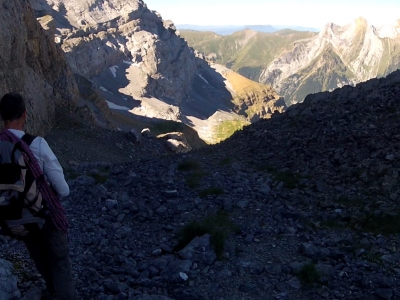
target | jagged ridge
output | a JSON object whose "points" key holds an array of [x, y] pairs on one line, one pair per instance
{"points": [[297, 64]]}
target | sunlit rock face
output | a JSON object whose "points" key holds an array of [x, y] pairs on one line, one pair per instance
{"points": [[139, 63], [32, 64], [98, 35], [337, 56]]}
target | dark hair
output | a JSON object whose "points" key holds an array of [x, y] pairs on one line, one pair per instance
{"points": [[12, 107]]}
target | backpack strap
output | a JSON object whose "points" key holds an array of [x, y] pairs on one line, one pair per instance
{"points": [[28, 138]]}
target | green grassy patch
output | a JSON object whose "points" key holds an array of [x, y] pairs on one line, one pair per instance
{"points": [[101, 175], [194, 178], [395, 84], [347, 202], [218, 226], [100, 178], [189, 165], [225, 162], [290, 180], [20, 270], [226, 129], [334, 224], [309, 275], [387, 224], [195, 172], [372, 257], [71, 174]]}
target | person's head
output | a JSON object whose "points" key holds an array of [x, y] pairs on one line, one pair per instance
{"points": [[12, 107]]}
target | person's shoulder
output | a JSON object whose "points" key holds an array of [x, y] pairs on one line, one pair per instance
{"points": [[37, 138], [29, 138], [41, 143]]}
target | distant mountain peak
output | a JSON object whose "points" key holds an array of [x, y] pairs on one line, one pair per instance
{"points": [[361, 21]]}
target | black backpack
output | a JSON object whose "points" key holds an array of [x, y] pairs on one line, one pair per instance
{"points": [[20, 200]]}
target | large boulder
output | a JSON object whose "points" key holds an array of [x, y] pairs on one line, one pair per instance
{"points": [[176, 142]]}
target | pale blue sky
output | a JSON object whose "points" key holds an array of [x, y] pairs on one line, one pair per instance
{"points": [[311, 13]]}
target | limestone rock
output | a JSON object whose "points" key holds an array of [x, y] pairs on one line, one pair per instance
{"points": [[254, 100], [110, 32], [139, 62], [177, 142], [345, 55], [32, 64], [146, 133]]}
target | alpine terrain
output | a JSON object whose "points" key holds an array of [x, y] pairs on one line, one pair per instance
{"points": [[138, 63], [296, 64], [302, 205]]}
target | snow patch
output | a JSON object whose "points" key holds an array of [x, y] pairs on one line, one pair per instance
{"points": [[203, 79], [115, 106], [132, 63], [113, 70], [104, 89], [387, 31]]}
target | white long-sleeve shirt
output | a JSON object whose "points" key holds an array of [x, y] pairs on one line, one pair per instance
{"points": [[48, 162]]}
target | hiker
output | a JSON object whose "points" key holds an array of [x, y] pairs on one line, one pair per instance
{"points": [[47, 246]]}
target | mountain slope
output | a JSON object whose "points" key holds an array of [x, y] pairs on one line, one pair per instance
{"points": [[226, 30], [356, 52], [252, 99], [325, 72], [246, 51], [297, 64], [136, 60], [304, 205], [348, 137]]}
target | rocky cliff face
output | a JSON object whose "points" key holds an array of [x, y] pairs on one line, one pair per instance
{"points": [[138, 61], [296, 64], [32, 64], [254, 100], [337, 56], [98, 35]]}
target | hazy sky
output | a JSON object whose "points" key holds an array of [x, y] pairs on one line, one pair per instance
{"points": [[313, 13]]}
